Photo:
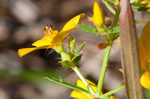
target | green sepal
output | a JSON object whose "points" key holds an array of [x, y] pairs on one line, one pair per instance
{"points": [[59, 49], [76, 59], [72, 44], [66, 84], [88, 29], [66, 64], [81, 46], [65, 56], [114, 30]]}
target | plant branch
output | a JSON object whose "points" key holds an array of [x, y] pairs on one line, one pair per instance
{"points": [[103, 69]]}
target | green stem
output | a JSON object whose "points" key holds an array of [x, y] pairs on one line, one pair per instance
{"points": [[112, 91], [103, 69], [80, 75], [110, 8], [116, 19]]}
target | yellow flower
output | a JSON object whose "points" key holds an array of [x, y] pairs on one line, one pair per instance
{"points": [[144, 45], [80, 95], [98, 18], [144, 49], [145, 79], [52, 38]]}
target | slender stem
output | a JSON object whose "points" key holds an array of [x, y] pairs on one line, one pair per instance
{"points": [[103, 69], [80, 75], [110, 8], [116, 19], [113, 91], [65, 84]]}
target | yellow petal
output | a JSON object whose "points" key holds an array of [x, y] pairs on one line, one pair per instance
{"points": [[24, 51], [80, 95], [81, 84], [60, 37], [98, 18], [47, 39], [41, 43], [68, 27], [145, 80], [71, 24]]}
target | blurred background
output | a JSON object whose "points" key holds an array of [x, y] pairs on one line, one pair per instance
{"points": [[21, 23]]}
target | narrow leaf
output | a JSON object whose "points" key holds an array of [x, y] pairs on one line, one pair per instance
{"points": [[139, 8], [68, 85], [80, 47], [114, 30], [76, 59], [88, 29]]}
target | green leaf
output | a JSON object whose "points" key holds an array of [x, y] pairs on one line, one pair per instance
{"points": [[113, 1], [81, 46], [66, 64], [114, 30], [116, 17], [147, 94], [68, 85], [109, 93], [72, 44], [139, 8], [109, 7], [88, 29], [76, 59]]}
